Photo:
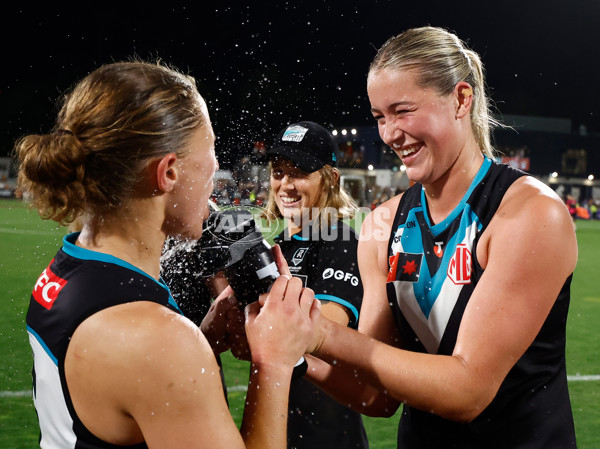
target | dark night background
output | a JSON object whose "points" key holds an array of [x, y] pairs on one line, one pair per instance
{"points": [[261, 65]]}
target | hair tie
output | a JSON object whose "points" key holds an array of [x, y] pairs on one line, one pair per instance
{"points": [[64, 131]]}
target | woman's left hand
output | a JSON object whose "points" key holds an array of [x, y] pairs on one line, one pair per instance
{"points": [[223, 325]]}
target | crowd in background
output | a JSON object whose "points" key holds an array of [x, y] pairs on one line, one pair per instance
{"points": [[586, 210], [249, 184]]}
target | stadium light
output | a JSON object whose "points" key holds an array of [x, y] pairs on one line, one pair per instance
{"points": [[353, 131], [554, 174], [370, 167], [344, 132], [334, 132], [591, 177]]}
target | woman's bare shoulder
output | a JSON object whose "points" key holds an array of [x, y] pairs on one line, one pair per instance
{"points": [[132, 334]]}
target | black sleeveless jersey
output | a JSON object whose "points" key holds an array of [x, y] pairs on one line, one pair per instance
{"points": [[433, 269], [77, 283], [326, 261]]}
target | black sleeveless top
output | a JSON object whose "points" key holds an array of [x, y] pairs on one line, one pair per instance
{"points": [[76, 284], [433, 271]]}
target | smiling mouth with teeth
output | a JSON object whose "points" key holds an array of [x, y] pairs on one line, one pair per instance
{"points": [[287, 199], [408, 150]]}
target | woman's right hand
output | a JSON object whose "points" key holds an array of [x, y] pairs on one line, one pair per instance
{"points": [[280, 331], [282, 264]]}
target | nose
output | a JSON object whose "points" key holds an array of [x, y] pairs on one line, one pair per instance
{"points": [[287, 182], [390, 132]]}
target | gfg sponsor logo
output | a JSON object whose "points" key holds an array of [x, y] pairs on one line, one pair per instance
{"points": [[340, 276]]}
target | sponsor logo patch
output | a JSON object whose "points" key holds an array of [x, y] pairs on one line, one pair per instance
{"points": [[437, 249], [294, 133], [340, 275], [299, 255], [405, 267], [459, 267], [47, 287]]}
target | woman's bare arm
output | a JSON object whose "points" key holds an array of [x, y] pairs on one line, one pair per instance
{"points": [[530, 249]]}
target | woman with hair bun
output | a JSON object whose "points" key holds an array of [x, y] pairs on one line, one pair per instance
{"points": [[116, 364]]}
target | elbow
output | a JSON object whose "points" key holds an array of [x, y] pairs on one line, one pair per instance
{"points": [[472, 394], [382, 406], [466, 409], [463, 415]]}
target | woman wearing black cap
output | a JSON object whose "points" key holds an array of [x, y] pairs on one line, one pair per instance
{"points": [[321, 250]]}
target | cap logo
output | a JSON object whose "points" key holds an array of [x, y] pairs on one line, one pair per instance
{"points": [[294, 133]]}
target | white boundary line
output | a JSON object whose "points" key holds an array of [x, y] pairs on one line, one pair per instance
{"points": [[24, 393], [29, 232], [584, 378], [16, 394]]}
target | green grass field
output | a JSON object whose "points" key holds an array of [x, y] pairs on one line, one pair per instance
{"points": [[27, 244]]}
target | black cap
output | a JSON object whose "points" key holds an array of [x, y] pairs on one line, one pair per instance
{"points": [[307, 144]]}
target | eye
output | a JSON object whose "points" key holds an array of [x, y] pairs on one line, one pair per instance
{"points": [[403, 111], [277, 174], [299, 174]]}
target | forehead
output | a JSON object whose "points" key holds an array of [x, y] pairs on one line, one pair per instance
{"points": [[390, 87], [395, 78], [204, 111], [201, 139]]}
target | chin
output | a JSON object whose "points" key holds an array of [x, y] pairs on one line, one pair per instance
{"points": [[204, 213], [191, 234]]}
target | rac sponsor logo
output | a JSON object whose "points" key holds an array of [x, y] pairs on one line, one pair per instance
{"points": [[459, 267], [47, 288], [340, 276]]}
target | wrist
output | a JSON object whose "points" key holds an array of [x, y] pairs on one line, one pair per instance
{"points": [[270, 371], [320, 333]]}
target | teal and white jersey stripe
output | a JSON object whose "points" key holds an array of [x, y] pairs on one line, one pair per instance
{"points": [[442, 262]]}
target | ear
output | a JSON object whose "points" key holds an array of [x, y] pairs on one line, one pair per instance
{"points": [[336, 176], [167, 172], [463, 92]]}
